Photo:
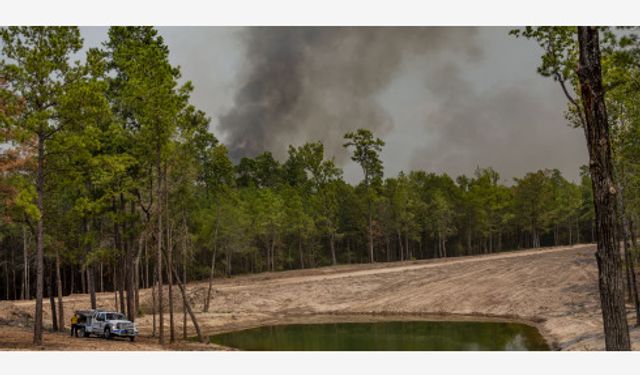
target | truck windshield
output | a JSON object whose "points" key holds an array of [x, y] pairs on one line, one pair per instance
{"points": [[114, 316]]}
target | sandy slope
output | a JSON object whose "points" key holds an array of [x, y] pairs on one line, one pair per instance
{"points": [[554, 289]]}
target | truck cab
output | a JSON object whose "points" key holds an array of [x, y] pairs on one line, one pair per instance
{"points": [[107, 324]]}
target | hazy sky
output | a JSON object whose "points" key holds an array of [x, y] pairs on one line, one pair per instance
{"points": [[443, 99]]}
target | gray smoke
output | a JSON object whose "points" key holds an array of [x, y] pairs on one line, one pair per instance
{"points": [[513, 129], [304, 84]]}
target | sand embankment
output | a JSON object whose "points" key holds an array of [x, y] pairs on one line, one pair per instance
{"points": [[554, 289]]}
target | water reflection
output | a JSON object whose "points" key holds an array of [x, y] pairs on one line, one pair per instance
{"points": [[405, 335]]}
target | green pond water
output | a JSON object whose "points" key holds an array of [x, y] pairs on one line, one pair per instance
{"points": [[405, 335]]}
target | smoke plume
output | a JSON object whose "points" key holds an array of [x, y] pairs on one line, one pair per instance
{"points": [[304, 84]]}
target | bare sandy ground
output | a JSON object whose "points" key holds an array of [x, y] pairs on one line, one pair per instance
{"points": [[554, 289]]}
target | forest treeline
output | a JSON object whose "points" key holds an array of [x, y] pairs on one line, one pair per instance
{"points": [[110, 180]]}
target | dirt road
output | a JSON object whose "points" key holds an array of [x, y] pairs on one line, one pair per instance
{"points": [[554, 289]]}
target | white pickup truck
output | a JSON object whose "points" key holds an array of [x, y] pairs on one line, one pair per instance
{"points": [[107, 324]]}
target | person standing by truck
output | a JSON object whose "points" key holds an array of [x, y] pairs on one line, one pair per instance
{"points": [[74, 324]]}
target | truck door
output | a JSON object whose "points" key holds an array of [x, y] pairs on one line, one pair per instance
{"points": [[99, 323]]}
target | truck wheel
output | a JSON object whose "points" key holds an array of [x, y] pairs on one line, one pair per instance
{"points": [[107, 333], [85, 333], [132, 338], [81, 332]]}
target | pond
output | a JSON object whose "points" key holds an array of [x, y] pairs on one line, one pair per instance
{"points": [[394, 335]]}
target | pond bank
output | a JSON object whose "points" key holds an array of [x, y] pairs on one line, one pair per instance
{"points": [[554, 289], [382, 318]]}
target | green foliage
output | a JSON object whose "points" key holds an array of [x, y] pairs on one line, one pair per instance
{"points": [[118, 124], [262, 171], [620, 64], [560, 47], [37, 73], [25, 198], [366, 152]]}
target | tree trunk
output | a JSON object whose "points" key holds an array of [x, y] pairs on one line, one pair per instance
{"points": [[184, 277], [400, 246], [37, 326], [370, 236], [211, 275], [406, 245], [154, 303], [136, 288], [444, 246], [632, 287], [13, 274], [213, 257], [633, 235], [91, 285], [52, 300], [268, 251], [83, 288], [90, 277], [185, 300], [169, 245], [7, 287], [490, 242], [616, 329], [172, 331], [332, 246], [121, 279], [627, 269], [274, 257], [577, 231], [146, 266], [469, 249], [115, 288], [130, 260], [387, 246], [120, 263], [59, 288], [25, 276], [300, 251], [570, 234], [136, 281], [159, 246]]}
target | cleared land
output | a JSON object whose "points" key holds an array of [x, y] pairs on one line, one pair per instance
{"points": [[554, 289]]}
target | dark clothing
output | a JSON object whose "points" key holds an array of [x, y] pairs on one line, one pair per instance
{"points": [[74, 329]]}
